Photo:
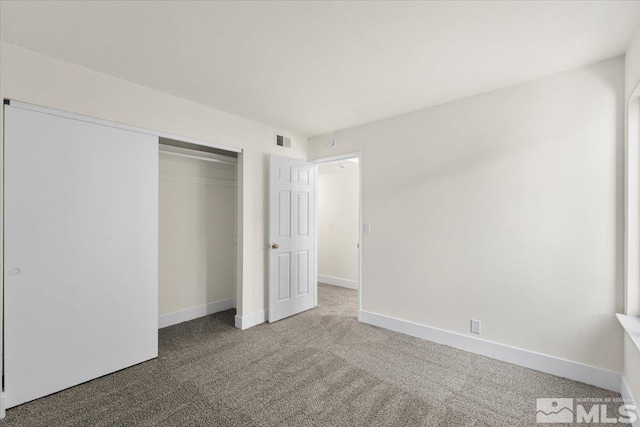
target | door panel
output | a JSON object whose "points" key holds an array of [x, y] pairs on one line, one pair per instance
{"points": [[284, 276], [291, 236], [284, 213], [303, 214], [81, 239], [303, 272]]}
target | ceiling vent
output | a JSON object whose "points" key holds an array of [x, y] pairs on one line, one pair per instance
{"points": [[283, 141]]}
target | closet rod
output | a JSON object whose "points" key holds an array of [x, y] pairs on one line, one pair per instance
{"points": [[191, 156]]}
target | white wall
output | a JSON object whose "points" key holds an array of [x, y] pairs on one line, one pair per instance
{"points": [[338, 223], [197, 217], [631, 370], [504, 207], [31, 77], [632, 65]]}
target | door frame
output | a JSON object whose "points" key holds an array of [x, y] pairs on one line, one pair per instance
{"points": [[632, 204], [318, 162]]}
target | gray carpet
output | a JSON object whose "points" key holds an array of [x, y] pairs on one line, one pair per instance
{"points": [[318, 368]]}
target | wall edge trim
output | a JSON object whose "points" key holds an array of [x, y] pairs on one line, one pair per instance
{"points": [[576, 371], [195, 312]]}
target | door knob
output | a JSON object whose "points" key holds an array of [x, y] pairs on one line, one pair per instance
{"points": [[275, 246]]}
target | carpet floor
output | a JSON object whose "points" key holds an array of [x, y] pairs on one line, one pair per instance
{"points": [[319, 368]]}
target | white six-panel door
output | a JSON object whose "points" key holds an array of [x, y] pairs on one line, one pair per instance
{"points": [[80, 240], [291, 237]]}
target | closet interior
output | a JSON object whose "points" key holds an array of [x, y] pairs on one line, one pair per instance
{"points": [[198, 190]]}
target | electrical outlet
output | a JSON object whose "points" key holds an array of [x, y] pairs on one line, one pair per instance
{"points": [[475, 326]]}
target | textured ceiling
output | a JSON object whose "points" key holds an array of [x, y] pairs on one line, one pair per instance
{"points": [[313, 67]]}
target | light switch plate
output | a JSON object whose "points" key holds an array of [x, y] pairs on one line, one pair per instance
{"points": [[367, 227]]}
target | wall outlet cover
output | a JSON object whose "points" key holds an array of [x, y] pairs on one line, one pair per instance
{"points": [[475, 326]]}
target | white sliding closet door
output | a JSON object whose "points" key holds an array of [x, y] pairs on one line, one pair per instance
{"points": [[81, 251]]}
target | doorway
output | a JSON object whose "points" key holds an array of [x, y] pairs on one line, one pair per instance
{"points": [[198, 239], [338, 232]]}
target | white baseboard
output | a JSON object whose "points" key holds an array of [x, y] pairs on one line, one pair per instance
{"points": [[626, 394], [599, 377], [195, 312], [3, 412], [335, 281], [252, 319]]}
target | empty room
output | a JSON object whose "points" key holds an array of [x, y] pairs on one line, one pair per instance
{"points": [[310, 213]]}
